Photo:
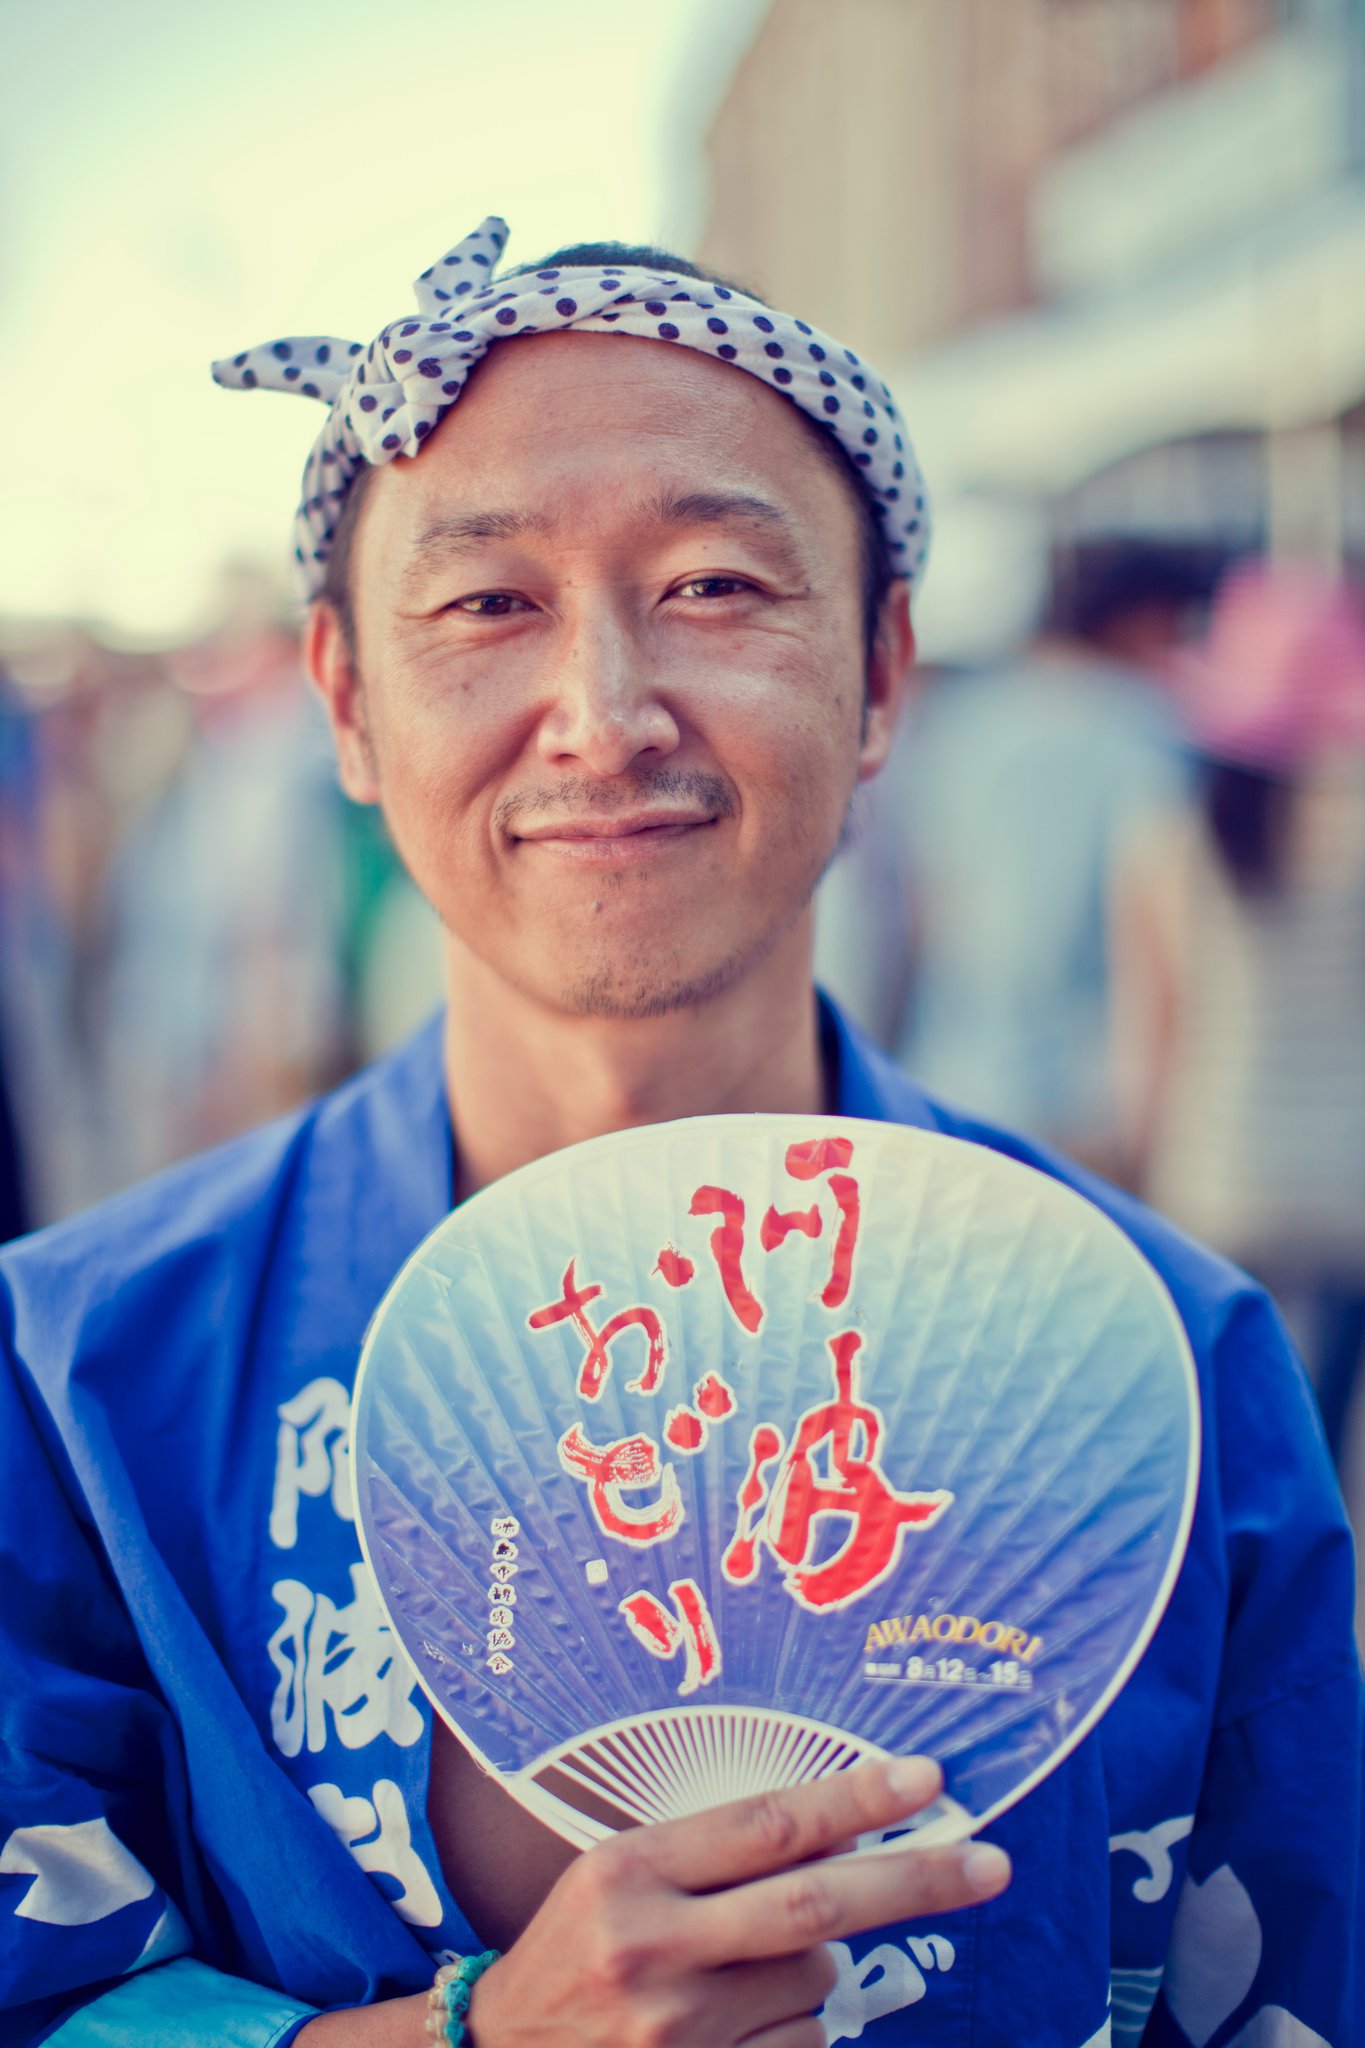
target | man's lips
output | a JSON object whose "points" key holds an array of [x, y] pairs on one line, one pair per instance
{"points": [[612, 827]]}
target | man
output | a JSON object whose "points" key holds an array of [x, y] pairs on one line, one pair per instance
{"points": [[973, 910], [612, 653]]}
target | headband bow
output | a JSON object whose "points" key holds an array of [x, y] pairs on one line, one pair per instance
{"points": [[386, 399]]}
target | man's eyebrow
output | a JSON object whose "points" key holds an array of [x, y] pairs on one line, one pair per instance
{"points": [[735, 509], [448, 536], [717, 508], [456, 533]]}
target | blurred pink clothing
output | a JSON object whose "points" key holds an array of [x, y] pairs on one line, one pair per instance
{"points": [[1280, 680]]}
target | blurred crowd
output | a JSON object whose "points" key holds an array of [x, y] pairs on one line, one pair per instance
{"points": [[197, 929], [1110, 891]]}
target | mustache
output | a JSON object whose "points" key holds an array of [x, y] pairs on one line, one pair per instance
{"points": [[617, 793]]}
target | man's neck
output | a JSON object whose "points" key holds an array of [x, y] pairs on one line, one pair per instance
{"points": [[524, 1079]]}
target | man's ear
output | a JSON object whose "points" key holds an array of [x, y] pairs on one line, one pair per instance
{"points": [[889, 663], [329, 661]]}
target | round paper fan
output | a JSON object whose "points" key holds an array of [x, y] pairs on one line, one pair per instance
{"points": [[717, 1455]]}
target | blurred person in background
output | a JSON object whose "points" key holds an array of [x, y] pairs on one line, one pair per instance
{"points": [[196, 930], [1240, 932], [94, 733], [980, 884], [390, 939], [225, 907]]}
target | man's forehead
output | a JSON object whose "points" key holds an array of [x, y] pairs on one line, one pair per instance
{"points": [[549, 393], [550, 423]]}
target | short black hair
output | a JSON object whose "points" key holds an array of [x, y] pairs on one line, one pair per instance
{"points": [[878, 571], [1098, 582], [1248, 812]]}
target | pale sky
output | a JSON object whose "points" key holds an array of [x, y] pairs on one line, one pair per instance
{"points": [[177, 183]]}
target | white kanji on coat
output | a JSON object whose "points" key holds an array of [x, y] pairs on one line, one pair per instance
{"points": [[1153, 1846], [886, 1979], [377, 1833], [342, 1662], [81, 1870], [312, 1457]]}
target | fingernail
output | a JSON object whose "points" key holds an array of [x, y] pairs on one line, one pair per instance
{"points": [[916, 1778], [986, 1869]]}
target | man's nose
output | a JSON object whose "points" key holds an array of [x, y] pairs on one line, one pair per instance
{"points": [[604, 706]]}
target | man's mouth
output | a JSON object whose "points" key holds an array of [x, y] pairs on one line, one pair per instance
{"points": [[614, 827]]}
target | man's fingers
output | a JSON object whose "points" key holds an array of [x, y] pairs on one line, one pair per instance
{"points": [[755, 1996], [751, 1837], [824, 1901]]}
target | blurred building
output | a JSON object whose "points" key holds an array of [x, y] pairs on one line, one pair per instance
{"points": [[875, 162], [1110, 252]]}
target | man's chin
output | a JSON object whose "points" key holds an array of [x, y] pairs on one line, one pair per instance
{"points": [[635, 995]]}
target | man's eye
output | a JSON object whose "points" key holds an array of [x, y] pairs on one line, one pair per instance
{"points": [[489, 604], [712, 586]]}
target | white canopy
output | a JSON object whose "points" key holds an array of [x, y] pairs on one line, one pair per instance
{"points": [[1267, 331]]}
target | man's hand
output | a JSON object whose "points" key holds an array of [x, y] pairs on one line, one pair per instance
{"points": [[705, 1932]]}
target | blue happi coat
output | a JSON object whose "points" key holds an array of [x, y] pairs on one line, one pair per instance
{"points": [[213, 1812]]}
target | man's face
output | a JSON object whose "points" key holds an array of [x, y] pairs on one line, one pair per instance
{"points": [[609, 676]]}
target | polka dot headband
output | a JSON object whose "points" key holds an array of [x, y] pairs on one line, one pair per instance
{"points": [[386, 399]]}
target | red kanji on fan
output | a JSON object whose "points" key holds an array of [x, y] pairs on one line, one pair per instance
{"points": [[777, 1226], [878, 1515], [808, 1161], [727, 1247], [572, 1307], [622, 1467], [740, 1561], [663, 1635]]}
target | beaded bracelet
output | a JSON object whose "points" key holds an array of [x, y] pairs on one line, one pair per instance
{"points": [[448, 1998]]}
